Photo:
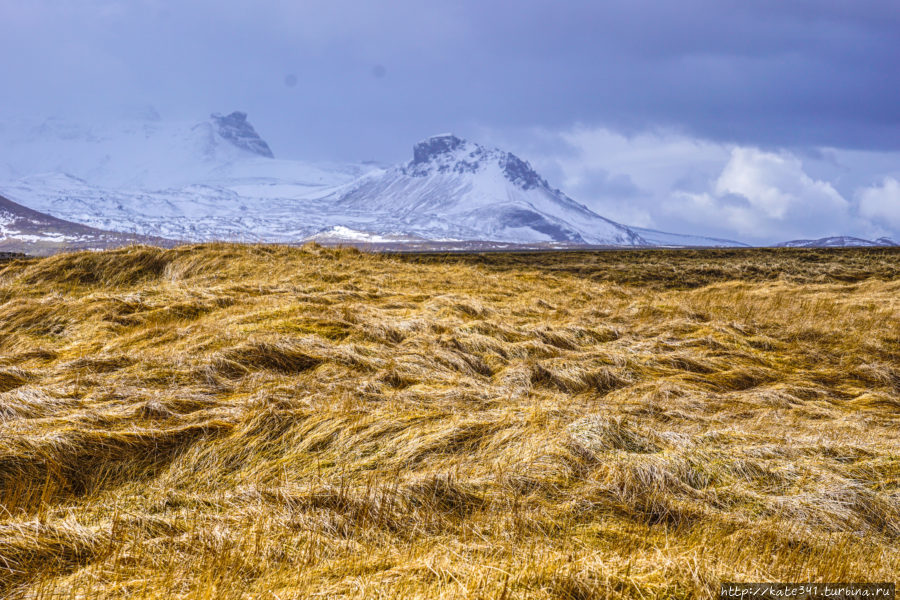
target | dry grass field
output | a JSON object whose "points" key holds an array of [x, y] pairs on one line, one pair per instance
{"points": [[228, 421]]}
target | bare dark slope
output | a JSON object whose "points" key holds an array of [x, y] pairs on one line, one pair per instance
{"points": [[31, 232]]}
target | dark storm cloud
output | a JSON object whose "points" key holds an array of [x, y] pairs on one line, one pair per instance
{"points": [[786, 73], [768, 72]]}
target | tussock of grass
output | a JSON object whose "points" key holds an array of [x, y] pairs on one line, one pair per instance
{"points": [[227, 421], [12, 378], [248, 358], [138, 264], [31, 547]]}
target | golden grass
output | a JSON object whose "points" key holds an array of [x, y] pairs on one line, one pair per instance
{"points": [[227, 421]]}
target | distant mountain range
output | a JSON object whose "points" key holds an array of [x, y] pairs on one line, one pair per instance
{"points": [[219, 180], [838, 242]]}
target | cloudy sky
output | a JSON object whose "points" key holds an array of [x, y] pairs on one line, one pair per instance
{"points": [[761, 121]]}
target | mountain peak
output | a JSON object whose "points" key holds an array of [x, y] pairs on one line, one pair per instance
{"points": [[447, 153], [435, 146], [236, 129]]}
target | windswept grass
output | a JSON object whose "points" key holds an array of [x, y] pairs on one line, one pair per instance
{"points": [[227, 421]]}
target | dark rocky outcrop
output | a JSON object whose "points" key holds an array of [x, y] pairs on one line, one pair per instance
{"points": [[442, 154], [236, 129], [427, 150], [520, 172]]}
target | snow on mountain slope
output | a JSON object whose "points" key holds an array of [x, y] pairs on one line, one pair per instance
{"points": [[661, 238], [219, 180], [190, 213], [210, 180], [454, 189]]}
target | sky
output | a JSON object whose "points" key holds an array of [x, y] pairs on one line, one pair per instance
{"points": [[759, 121]]}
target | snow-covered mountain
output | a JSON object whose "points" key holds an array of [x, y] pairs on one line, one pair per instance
{"points": [[454, 189], [842, 241], [219, 180], [213, 180]]}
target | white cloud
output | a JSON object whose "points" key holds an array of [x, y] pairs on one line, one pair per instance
{"points": [[777, 186], [622, 177], [703, 209], [881, 203], [655, 161], [677, 183], [766, 196]]}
